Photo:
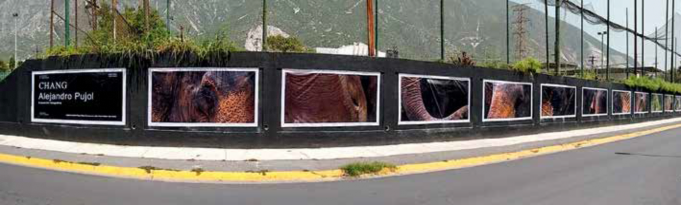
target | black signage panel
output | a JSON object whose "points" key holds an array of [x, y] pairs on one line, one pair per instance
{"points": [[79, 97]]}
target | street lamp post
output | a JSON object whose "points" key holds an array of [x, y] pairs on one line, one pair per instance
{"points": [[16, 60], [602, 34]]}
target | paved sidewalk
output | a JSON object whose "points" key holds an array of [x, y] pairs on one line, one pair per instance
{"points": [[298, 159]]}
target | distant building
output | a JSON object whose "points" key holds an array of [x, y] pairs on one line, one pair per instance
{"points": [[356, 49]]}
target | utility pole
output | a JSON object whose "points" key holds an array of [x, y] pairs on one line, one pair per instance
{"points": [[643, 31], [146, 15], [546, 31], [168, 15], [264, 25], [76, 21], [181, 33], [673, 57], [602, 34], [581, 43], [67, 30], [557, 46], [656, 62], [376, 27], [635, 37], [666, 40], [442, 29], [607, 63], [95, 9], [626, 67], [508, 34], [51, 23], [592, 60], [16, 33], [114, 15], [370, 27], [520, 32]]}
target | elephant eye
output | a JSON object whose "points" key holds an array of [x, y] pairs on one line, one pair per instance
{"points": [[354, 102]]}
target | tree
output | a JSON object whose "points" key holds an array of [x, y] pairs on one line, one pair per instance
{"points": [[11, 64], [4, 67], [284, 44], [528, 65], [130, 28]]}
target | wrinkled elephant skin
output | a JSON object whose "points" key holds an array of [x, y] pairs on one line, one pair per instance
{"points": [[326, 98], [203, 97], [505, 100], [558, 101]]}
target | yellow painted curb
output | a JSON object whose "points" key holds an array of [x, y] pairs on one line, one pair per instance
{"points": [[151, 173]]}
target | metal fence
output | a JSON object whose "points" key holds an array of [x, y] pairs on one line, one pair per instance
{"points": [[613, 39]]}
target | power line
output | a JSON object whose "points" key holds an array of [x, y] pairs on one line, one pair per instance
{"points": [[520, 31]]}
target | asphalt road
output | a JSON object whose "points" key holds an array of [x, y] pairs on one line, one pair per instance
{"points": [[645, 170]]}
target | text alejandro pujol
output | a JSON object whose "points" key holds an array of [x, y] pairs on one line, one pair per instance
{"points": [[54, 93]]}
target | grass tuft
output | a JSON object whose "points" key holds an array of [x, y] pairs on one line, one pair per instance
{"points": [[362, 168], [89, 163]]}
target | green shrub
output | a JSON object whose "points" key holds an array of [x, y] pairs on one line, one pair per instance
{"points": [[4, 67], [279, 43], [133, 39], [528, 65], [589, 75], [494, 64], [361, 168], [653, 84]]}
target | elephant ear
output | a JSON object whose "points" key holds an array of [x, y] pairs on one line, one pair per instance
{"points": [[415, 109]]}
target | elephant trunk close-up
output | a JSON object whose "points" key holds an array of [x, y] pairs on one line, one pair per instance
{"points": [[414, 107], [504, 100]]}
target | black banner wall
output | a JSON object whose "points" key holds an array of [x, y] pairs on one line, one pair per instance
{"points": [[94, 97]]}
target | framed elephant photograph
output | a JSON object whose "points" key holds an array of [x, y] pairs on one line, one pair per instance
{"points": [[641, 103], [594, 102], [506, 101], [203, 97], [319, 98], [558, 101], [668, 103], [656, 103], [621, 102], [677, 104], [433, 99]]}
